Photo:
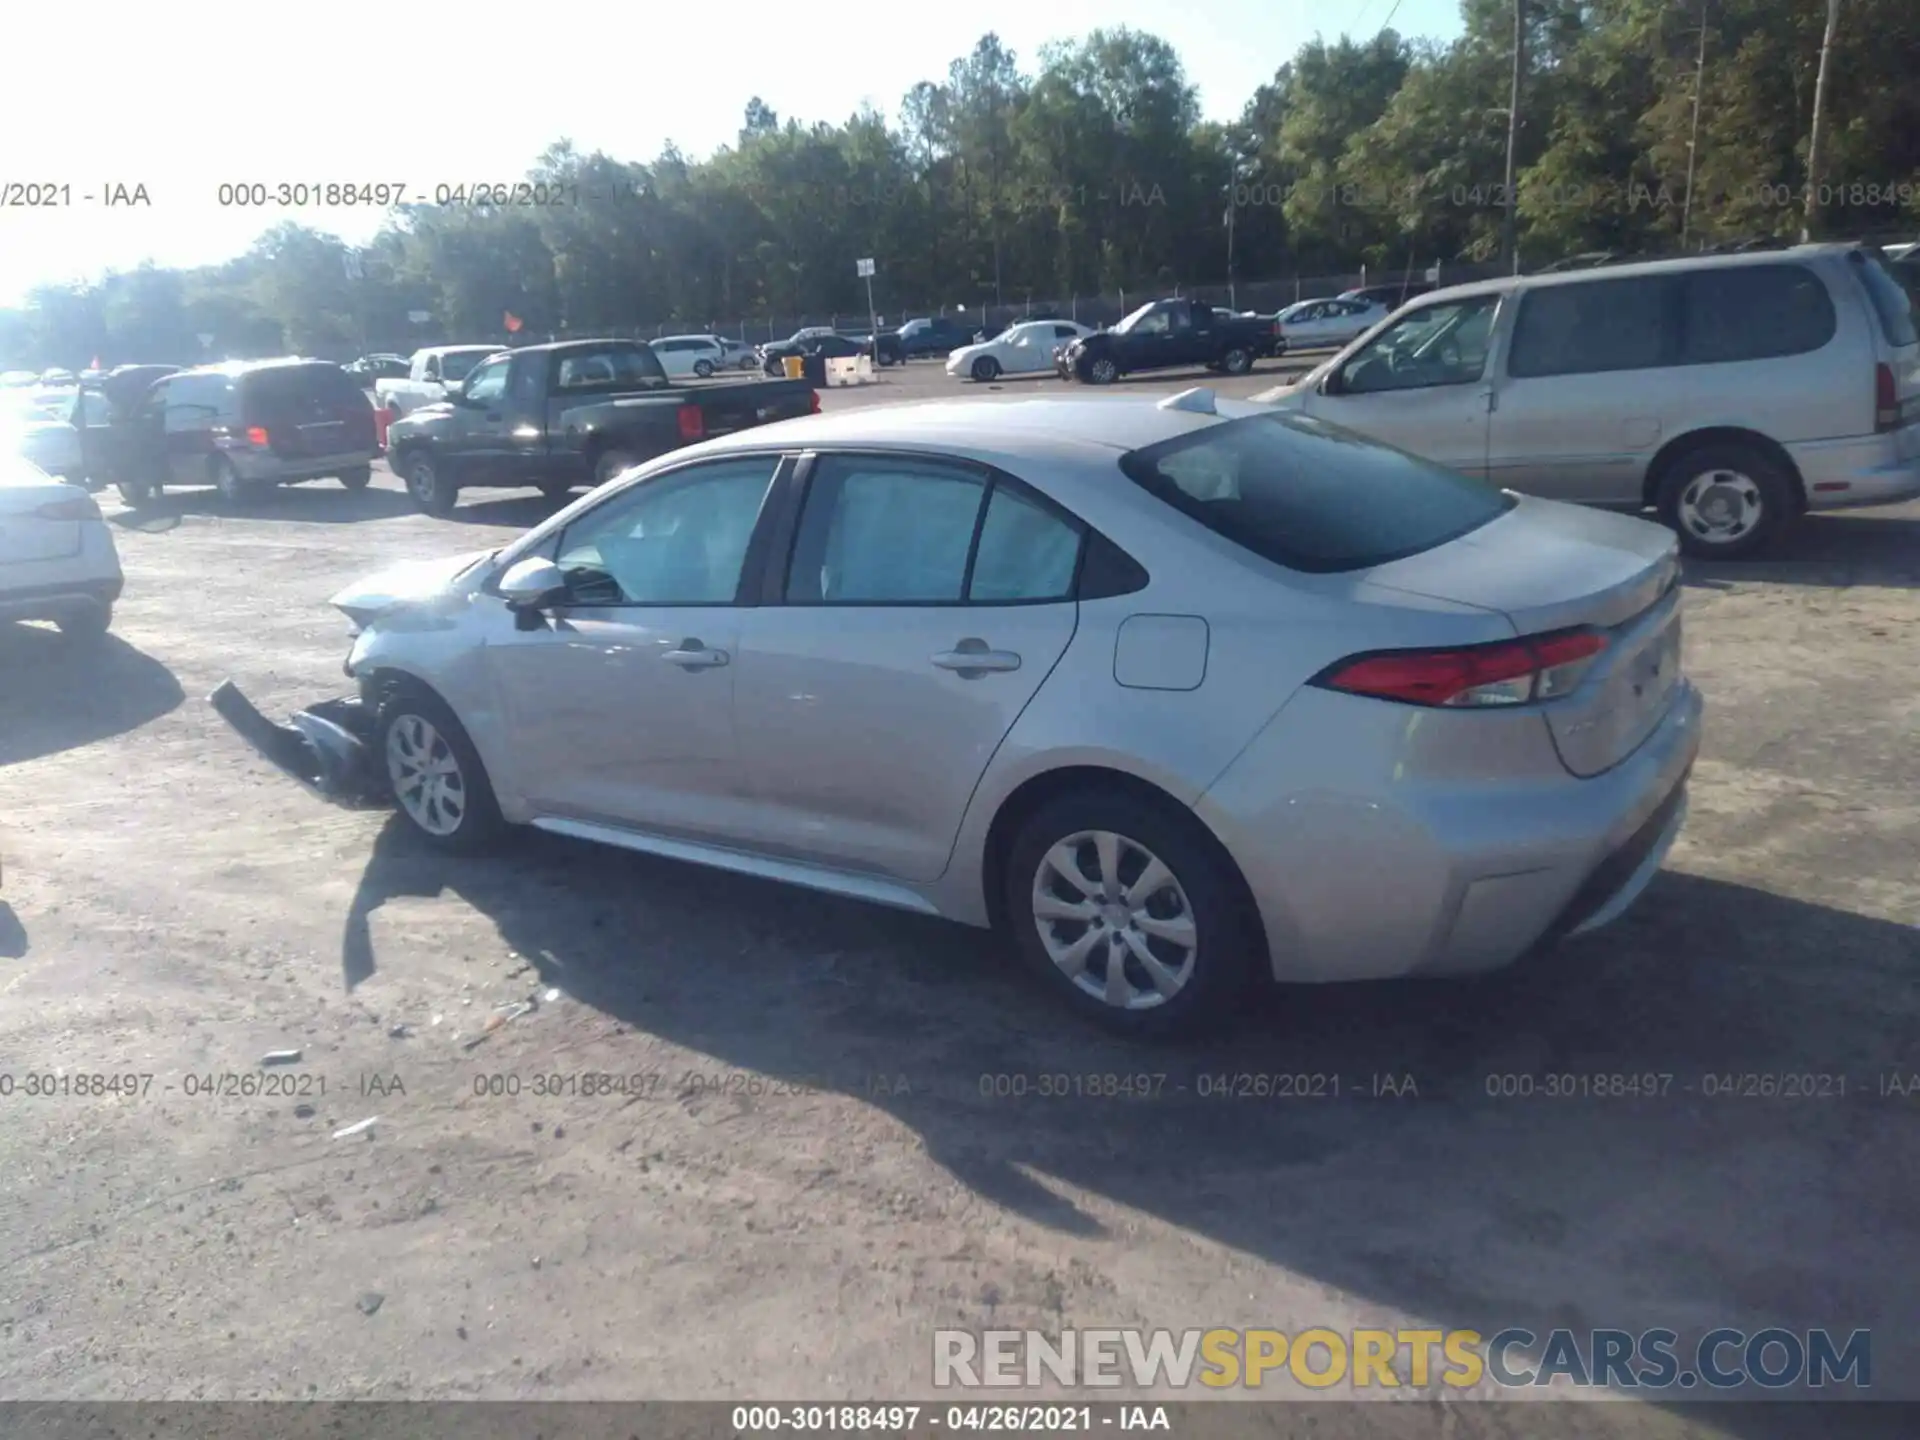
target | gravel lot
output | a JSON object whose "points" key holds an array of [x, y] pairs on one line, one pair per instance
{"points": [[173, 908]]}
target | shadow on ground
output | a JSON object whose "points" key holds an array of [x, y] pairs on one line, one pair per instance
{"points": [[13, 935], [1863, 547], [1675, 1204], [58, 693], [324, 502]]}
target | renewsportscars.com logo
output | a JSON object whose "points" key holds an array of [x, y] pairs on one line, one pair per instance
{"points": [[1321, 1359]]}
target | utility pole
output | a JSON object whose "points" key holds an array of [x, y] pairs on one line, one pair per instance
{"points": [[1233, 205], [1814, 156], [1693, 141], [1509, 230]]}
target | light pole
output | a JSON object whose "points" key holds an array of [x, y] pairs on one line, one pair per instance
{"points": [[1814, 157], [1509, 228], [1693, 141]]}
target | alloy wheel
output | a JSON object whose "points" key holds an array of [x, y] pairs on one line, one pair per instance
{"points": [[1114, 918], [426, 775]]}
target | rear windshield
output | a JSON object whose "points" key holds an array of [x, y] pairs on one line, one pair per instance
{"points": [[459, 365], [280, 387], [1891, 301], [1311, 496]]}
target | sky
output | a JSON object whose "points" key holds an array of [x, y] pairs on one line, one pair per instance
{"points": [[180, 99]]}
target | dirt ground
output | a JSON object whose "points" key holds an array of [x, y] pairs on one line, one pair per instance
{"points": [[812, 1174]]}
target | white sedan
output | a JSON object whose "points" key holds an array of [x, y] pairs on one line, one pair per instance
{"points": [[36, 427], [1023, 349], [57, 559], [1328, 324]]}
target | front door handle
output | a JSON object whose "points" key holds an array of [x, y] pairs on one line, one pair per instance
{"points": [[692, 655], [972, 658]]}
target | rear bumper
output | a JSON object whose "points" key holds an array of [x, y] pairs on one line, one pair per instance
{"points": [[326, 747], [267, 469], [55, 601], [1872, 470]]}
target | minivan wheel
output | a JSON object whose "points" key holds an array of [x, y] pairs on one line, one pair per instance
{"points": [[233, 489], [1237, 361], [358, 478], [430, 492], [1725, 501], [437, 779], [986, 368], [1131, 912]]}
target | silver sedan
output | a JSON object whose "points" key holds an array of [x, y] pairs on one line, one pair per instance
{"points": [[1181, 695]]}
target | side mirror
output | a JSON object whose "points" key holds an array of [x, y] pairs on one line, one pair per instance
{"points": [[1331, 383], [533, 584]]}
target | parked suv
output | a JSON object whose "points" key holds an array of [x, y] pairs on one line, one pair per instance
{"points": [[1732, 393], [247, 425]]}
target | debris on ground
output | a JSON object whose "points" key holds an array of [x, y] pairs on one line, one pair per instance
{"points": [[370, 1302], [281, 1057], [501, 1016], [552, 995], [399, 1032], [357, 1128]]}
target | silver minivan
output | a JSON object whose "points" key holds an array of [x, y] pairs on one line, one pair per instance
{"points": [[1731, 393]]}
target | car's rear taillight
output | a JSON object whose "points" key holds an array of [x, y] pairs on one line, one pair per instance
{"points": [[1508, 672], [258, 438], [1886, 399], [813, 402], [81, 507], [693, 424]]}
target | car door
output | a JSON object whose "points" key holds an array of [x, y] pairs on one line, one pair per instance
{"points": [[1577, 413], [925, 603], [1420, 384], [1026, 351], [191, 408], [620, 710], [478, 442]]}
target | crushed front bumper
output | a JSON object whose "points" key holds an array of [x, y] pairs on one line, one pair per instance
{"points": [[327, 747]]}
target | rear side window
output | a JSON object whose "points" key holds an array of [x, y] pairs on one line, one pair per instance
{"points": [[457, 366], [1753, 312], [1312, 496], [1892, 302], [283, 389], [1591, 327]]}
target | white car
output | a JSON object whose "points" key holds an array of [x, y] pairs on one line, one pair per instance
{"points": [[684, 355], [1023, 349], [57, 560], [1328, 324], [56, 377], [35, 425]]}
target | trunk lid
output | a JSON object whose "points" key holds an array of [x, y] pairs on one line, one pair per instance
{"points": [[1548, 567], [25, 534]]}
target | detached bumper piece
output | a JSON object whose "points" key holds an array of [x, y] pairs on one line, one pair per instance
{"points": [[328, 747]]}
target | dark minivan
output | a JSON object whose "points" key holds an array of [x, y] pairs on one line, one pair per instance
{"points": [[246, 425]]}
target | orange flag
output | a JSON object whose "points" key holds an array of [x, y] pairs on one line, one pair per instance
{"points": [[513, 323]]}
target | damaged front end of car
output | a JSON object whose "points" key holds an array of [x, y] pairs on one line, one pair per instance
{"points": [[332, 748], [328, 747]]}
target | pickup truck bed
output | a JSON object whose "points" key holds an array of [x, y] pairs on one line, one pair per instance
{"points": [[561, 416]]}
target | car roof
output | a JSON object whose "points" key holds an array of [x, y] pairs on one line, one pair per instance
{"points": [[1666, 265], [233, 369]]}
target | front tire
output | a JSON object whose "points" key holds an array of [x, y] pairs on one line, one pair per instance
{"points": [[138, 493], [1131, 912], [557, 492], [1726, 501], [1102, 372], [703, 368], [359, 478], [86, 625], [437, 778], [431, 491], [611, 465], [986, 369]]}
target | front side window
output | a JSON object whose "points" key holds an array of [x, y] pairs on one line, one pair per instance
{"points": [[488, 383], [1444, 344], [678, 539], [1590, 327]]}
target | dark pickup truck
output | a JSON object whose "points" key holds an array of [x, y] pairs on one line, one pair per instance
{"points": [[570, 414], [1170, 335]]}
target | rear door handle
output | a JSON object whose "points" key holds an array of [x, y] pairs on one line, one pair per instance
{"points": [[973, 658], [692, 655]]}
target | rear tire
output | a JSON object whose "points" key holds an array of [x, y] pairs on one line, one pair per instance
{"points": [[431, 491], [703, 368], [138, 493], [1237, 361], [986, 369], [557, 492], [86, 625], [233, 489], [1194, 926], [438, 780], [357, 479], [1726, 500]]}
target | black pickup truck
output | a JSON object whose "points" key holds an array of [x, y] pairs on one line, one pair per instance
{"points": [[1170, 335], [570, 414]]}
